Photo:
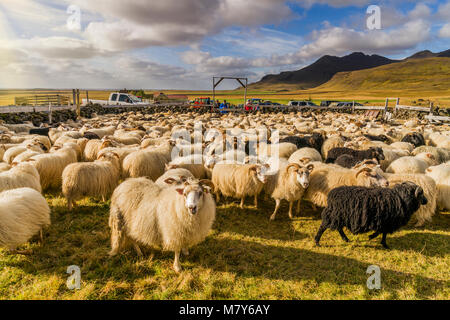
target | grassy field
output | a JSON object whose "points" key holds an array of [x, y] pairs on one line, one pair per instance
{"points": [[245, 257], [373, 97]]}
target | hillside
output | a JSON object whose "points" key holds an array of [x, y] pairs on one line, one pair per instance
{"points": [[421, 75], [429, 54], [320, 71]]}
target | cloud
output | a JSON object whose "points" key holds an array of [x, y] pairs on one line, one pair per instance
{"points": [[172, 22], [133, 67], [444, 32]]}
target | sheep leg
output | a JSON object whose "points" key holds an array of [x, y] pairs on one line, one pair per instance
{"points": [[217, 196], [343, 236], [319, 234], [176, 262], [374, 235], [69, 204], [41, 236], [242, 202], [277, 206], [298, 207], [291, 204], [383, 241], [137, 249], [185, 251], [256, 201]]}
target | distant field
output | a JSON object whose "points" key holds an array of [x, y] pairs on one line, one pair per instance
{"points": [[237, 96]]}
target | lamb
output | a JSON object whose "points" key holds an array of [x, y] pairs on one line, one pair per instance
{"points": [[371, 153], [289, 183], [23, 213], [148, 162], [239, 181], [51, 166], [362, 209], [174, 218], [325, 178], [441, 175], [96, 179], [302, 153], [414, 138], [19, 176]]}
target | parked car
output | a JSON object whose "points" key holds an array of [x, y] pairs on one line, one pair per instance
{"points": [[301, 104], [326, 103], [116, 98]]}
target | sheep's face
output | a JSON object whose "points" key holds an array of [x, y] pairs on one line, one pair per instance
{"points": [[301, 173], [260, 172], [194, 193], [378, 153], [420, 196]]}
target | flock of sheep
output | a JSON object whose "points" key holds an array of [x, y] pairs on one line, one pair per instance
{"points": [[164, 173]]}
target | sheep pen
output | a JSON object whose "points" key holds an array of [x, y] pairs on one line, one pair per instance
{"points": [[245, 255]]}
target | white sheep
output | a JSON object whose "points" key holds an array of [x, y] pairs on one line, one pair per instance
{"points": [[407, 165], [23, 213], [239, 181], [19, 176], [303, 153], [441, 175], [289, 184], [149, 162], [325, 177], [97, 179], [51, 166], [174, 218]]}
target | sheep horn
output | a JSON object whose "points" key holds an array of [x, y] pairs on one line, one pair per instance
{"points": [[296, 165], [365, 169], [207, 182], [305, 160]]}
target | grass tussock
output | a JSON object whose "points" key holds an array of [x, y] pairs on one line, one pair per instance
{"points": [[245, 257]]}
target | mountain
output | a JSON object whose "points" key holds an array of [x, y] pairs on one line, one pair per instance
{"points": [[413, 74], [428, 54], [321, 71]]}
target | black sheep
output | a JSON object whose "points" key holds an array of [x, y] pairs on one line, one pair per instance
{"points": [[347, 161], [359, 155], [40, 131], [380, 137], [91, 136], [313, 141], [363, 209], [414, 138]]}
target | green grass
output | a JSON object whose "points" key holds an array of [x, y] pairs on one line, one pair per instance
{"points": [[245, 257]]}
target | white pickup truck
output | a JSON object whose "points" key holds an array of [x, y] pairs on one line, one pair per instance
{"points": [[117, 98]]}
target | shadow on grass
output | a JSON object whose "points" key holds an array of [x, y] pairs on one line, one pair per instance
{"points": [[250, 259], [426, 243]]}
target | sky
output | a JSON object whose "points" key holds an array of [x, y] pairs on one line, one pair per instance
{"points": [[181, 44]]}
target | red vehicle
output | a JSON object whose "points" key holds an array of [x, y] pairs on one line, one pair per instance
{"points": [[199, 102], [252, 104]]}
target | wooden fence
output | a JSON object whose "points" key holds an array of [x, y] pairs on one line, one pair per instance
{"points": [[42, 100]]}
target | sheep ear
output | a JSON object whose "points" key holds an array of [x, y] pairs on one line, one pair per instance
{"points": [[116, 155], [416, 193], [167, 166], [169, 181], [180, 191], [14, 164], [310, 167], [207, 185]]}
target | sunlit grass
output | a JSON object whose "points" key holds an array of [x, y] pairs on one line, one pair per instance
{"points": [[245, 257]]}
